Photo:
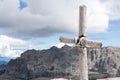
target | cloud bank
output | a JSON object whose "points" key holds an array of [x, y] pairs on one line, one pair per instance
{"points": [[43, 18], [8, 46], [26, 19]]}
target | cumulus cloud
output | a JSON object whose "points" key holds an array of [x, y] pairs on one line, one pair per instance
{"points": [[113, 8], [42, 18], [11, 47]]}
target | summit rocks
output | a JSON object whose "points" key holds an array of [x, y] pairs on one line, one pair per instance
{"points": [[61, 62]]}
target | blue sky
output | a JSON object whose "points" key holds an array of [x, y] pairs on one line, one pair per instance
{"points": [[109, 38], [28, 24], [22, 4]]}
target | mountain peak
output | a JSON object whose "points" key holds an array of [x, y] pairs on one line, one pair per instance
{"points": [[61, 62]]}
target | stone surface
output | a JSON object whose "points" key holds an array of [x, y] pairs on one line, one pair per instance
{"points": [[62, 62], [117, 78]]}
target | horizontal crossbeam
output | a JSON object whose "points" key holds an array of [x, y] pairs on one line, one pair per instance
{"points": [[67, 40], [94, 44], [85, 42]]}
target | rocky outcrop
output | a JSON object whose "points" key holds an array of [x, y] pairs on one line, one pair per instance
{"points": [[61, 62], [105, 60]]}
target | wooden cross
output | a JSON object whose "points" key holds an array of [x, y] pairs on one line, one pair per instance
{"points": [[82, 43]]}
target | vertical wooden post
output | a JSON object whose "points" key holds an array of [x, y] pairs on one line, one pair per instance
{"points": [[82, 20], [82, 43], [83, 67], [82, 48]]}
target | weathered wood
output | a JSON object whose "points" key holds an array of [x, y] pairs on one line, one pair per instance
{"points": [[117, 78], [83, 67], [82, 48], [82, 20], [67, 40], [82, 43], [94, 44]]}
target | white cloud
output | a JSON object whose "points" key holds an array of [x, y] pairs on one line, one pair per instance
{"points": [[63, 15], [13, 47], [7, 45], [46, 17], [59, 45], [113, 8]]}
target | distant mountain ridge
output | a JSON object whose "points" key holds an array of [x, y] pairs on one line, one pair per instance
{"points": [[61, 62], [3, 62]]}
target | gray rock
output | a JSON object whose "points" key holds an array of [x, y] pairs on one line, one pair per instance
{"points": [[62, 62]]}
